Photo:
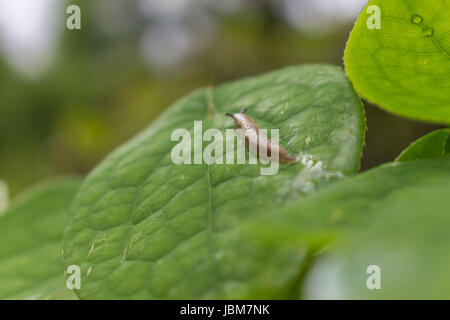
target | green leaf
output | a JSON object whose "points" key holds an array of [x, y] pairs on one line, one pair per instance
{"points": [[433, 145], [405, 234], [30, 242], [395, 216], [403, 66], [142, 227]]}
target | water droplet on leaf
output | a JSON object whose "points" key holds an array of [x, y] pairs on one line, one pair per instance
{"points": [[428, 32], [416, 19]]}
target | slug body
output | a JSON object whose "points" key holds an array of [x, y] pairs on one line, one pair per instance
{"points": [[254, 137]]}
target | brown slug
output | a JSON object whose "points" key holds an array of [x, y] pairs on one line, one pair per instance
{"points": [[252, 134]]}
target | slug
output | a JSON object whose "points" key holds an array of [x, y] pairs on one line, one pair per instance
{"points": [[252, 134]]}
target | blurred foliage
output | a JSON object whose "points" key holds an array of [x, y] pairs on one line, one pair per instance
{"points": [[100, 90]]}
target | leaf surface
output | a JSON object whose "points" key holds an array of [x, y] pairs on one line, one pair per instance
{"points": [[142, 227]]}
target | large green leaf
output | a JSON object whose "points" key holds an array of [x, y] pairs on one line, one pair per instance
{"points": [[30, 242], [434, 145], [396, 216], [142, 227], [404, 66]]}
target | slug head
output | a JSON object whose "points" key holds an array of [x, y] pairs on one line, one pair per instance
{"points": [[239, 118]]}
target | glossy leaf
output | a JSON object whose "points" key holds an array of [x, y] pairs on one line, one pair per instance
{"points": [[404, 66]]}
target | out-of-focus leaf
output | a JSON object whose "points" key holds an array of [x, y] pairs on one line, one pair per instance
{"points": [[396, 217], [30, 242], [433, 145]]}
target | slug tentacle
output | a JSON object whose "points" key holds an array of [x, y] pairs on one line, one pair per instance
{"points": [[254, 138]]}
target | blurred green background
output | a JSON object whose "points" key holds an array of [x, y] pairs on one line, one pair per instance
{"points": [[69, 97]]}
